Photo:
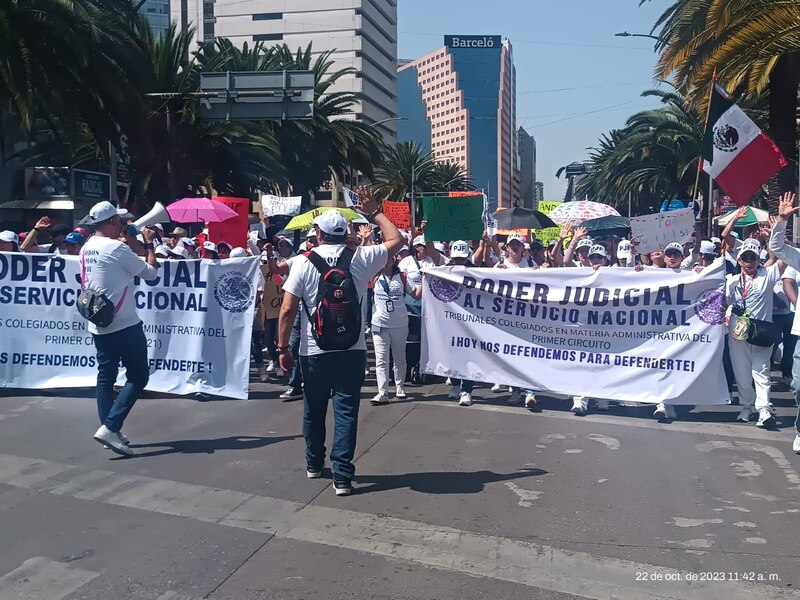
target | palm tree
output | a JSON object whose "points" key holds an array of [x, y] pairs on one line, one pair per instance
{"points": [[449, 177], [754, 47], [405, 166], [654, 157]]}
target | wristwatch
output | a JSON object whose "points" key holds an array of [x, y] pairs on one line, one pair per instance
{"points": [[372, 216], [282, 349]]}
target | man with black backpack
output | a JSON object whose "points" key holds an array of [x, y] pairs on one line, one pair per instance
{"points": [[331, 280]]}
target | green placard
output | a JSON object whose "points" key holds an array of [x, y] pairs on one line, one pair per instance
{"points": [[551, 233], [450, 219]]}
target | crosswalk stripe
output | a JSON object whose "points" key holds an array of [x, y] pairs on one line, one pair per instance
{"points": [[472, 553], [736, 430], [40, 578], [177, 596]]}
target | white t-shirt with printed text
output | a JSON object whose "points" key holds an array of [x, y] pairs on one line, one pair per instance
{"points": [[397, 286], [759, 295], [409, 266]]}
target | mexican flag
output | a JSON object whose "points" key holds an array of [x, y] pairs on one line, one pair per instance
{"points": [[736, 153]]}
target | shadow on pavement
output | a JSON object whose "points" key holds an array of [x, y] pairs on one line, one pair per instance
{"points": [[443, 482], [243, 442]]}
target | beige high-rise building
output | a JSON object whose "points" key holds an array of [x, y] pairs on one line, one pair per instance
{"points": [[361, 33]]}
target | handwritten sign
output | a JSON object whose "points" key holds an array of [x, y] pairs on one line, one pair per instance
{"points": [[451, 219], [279, 205], [234, 230], [272, 297], [398, 213], [653, 232], [550, 233]]}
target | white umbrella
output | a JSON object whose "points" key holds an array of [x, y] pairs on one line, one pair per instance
{"points": [[754, 215], [578, 212]]}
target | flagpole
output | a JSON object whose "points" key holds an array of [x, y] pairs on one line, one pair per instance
{"points": [[700, 161]]}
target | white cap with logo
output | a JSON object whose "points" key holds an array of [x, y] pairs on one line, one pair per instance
{"points": [[211, 246], [624, 249], [598, 250], [459, 249], [419, 241], [332, 222], [515, 236], [102, 211], [674, 246], [584, 243]]}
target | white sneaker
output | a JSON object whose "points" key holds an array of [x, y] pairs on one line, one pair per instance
{"points": [[530, 400], [580, 404], [448, 382], [454, 393], [516, 398], [263, 375], [379, 399], [664, 411], [107, 437], [291, 394], [796, 444], [465, 399], [497, 388], [765, 418], [602, 404], [124, 439], [745, 415], [271, 367], [400, 393]]}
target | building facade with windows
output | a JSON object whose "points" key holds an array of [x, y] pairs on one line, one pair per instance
{"points": [[361, 34], [527, 168], [157, 13], [460, 102]]}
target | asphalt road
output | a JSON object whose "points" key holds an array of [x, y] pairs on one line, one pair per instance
{"points": [[490, 501]]}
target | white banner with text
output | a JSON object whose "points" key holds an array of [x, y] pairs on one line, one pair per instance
{"points": [[197, 318], [654, 335]]}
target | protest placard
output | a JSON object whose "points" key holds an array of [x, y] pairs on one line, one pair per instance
{"points": [[233, 231], [453, 218], [280, 205], [398, 213], [550, 233], [653, 232], [272, 297]]}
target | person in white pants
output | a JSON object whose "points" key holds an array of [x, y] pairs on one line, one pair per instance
{"points": [[750, 296], [390, 328]]}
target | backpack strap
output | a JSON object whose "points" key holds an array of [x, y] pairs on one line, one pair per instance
{"points": [[345, 258], [318, 262]]}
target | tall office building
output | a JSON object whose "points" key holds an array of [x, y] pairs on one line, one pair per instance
{"points": [[361, 33], [527, 168], [157, 13], [460, 102]]}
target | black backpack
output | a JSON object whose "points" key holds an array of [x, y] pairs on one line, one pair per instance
{"points": [[336, 322]]}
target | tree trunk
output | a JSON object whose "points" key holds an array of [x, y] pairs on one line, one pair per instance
{"points": [[783, 84]]}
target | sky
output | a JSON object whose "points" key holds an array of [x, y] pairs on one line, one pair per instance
{"points": [[575, 79]]}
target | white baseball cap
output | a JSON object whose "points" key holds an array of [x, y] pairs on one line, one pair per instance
{"points": [[749, 245], [515, 236], [162, 251], [584, 243], [238, 253], [624, 249], [332, 222], [708, 247], [311, 233], [439, 247], [210, 246], [102, 211], [716, 240], [179, 251], [419, 241], [187, 242], [674, 246], [598, 250], [9, 236], [459, 249], [159, 226]]}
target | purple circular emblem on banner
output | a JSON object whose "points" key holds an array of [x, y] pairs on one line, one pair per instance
{"points": [[444, 290], [710, 307]]}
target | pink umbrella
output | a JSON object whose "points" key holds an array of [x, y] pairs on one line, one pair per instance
{"points": [[198, 210], [580, 211]]}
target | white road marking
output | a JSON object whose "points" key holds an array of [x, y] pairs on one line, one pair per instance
{"points": [[744, 524], [733, 430], [683, 522], [747, 468], [177, 596], [778, 457], [471, 553], [609, 442], [761, 496], [755, 540], [526, 497], [695, 543], [40, 578]]}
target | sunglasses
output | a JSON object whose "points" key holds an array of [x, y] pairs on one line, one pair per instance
{"points": [[673, 253]]}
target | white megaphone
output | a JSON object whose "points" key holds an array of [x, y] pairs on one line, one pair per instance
{"points": [[157, 214]]}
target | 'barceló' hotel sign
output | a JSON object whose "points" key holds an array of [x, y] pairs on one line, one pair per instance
{"points": [[472, 41]]}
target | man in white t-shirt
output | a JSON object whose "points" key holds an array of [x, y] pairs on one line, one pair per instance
{"points": [[424, 254], [108, 266], [337, 374]]}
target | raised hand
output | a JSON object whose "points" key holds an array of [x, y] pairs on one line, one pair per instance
{"points": [[786, 207], [565, 231], [365, 231], [368, 203], [580, 233], [44, 223], [741, 213]]}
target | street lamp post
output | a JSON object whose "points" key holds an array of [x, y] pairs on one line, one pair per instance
{"points": [[644, 35]]}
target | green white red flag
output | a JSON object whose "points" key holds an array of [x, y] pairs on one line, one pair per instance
{"points": [[736, 153]]}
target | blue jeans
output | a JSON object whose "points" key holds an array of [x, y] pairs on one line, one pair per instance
{"points": [[340, 373], [796, 385], [128, 346], [465, 384], [296, 377]]}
